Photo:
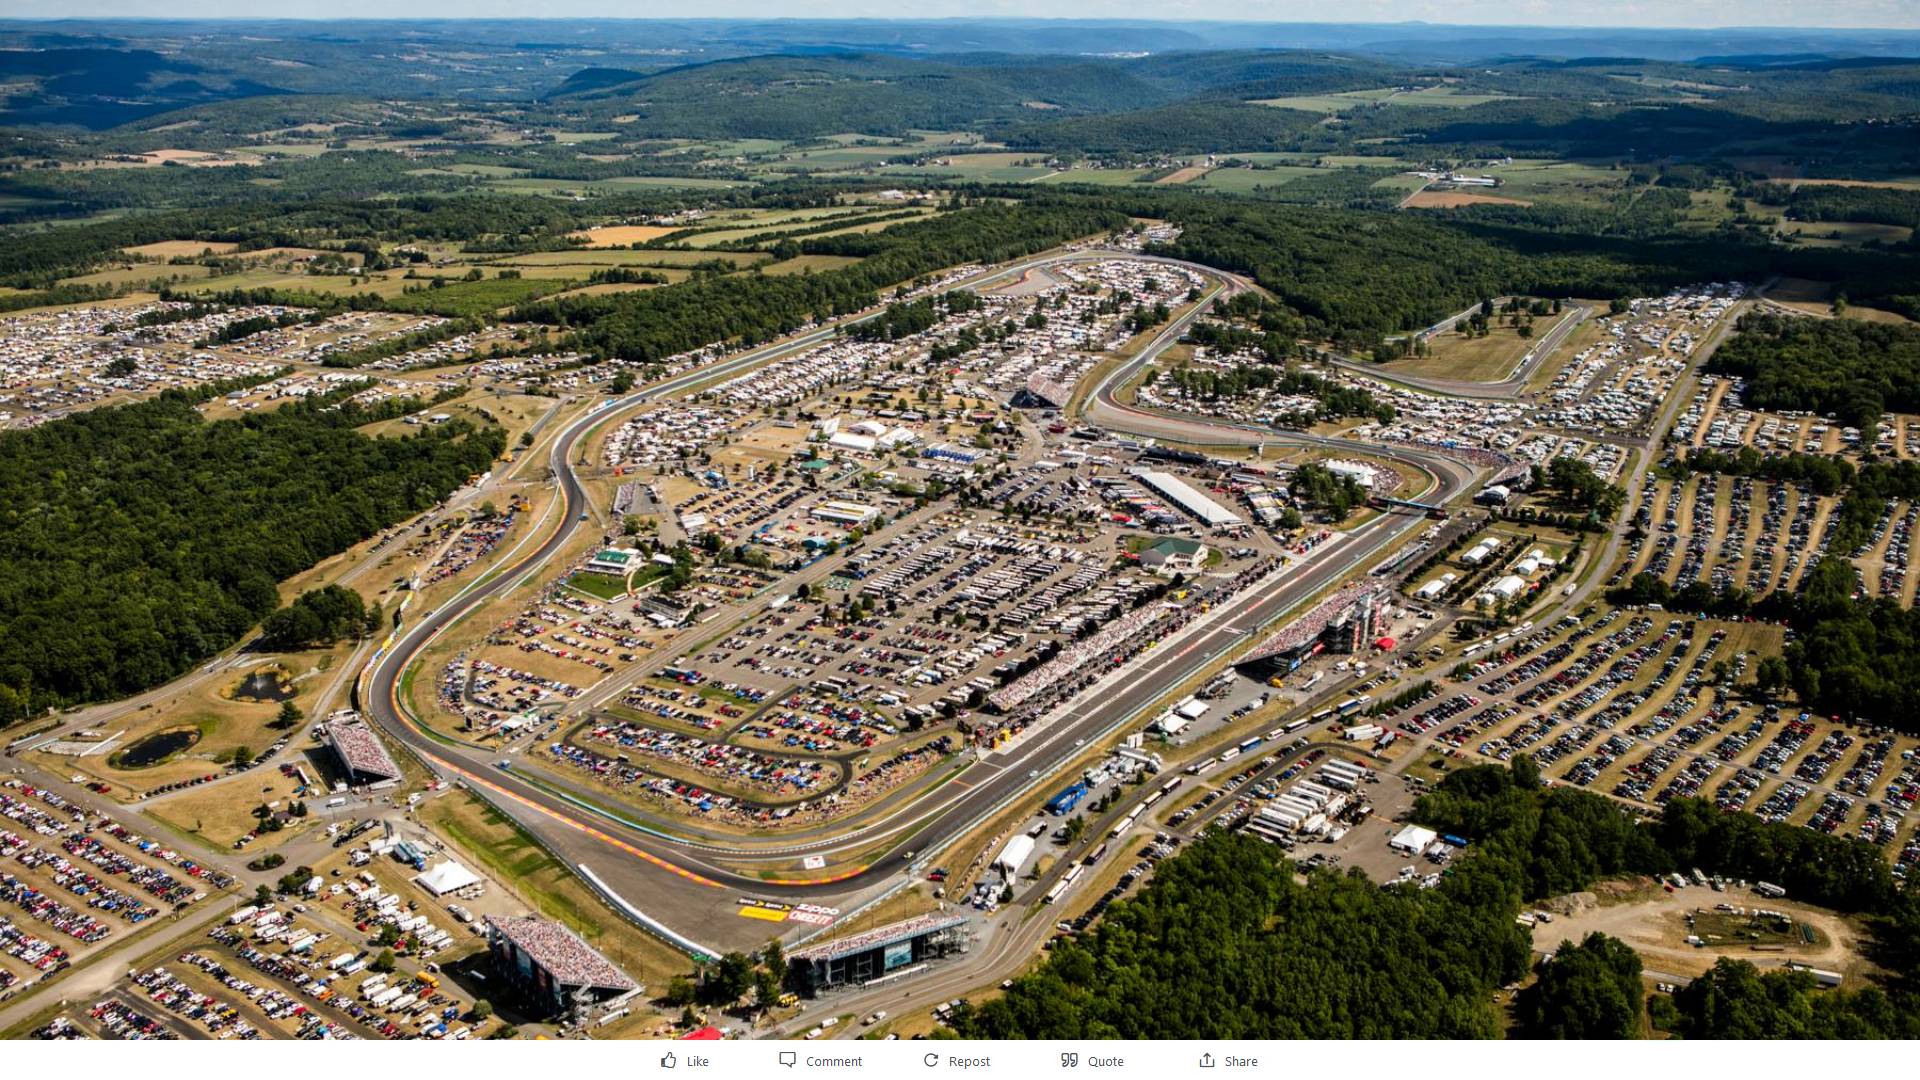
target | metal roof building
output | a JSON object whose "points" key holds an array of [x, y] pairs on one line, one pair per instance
{"points": [[1186, 497]]}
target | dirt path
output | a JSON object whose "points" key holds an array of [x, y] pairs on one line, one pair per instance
{"points": [[1656, 928]]}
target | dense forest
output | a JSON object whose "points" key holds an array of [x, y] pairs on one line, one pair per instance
{"points": [[1736, 1000], [1223, 943], [1843, 367], [1853, 656], [1585, 990], [137, 540], [1354, 277], [1875, 205]]}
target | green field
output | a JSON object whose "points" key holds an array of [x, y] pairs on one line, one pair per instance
{"points": [[1427, 97], [801, 264], [846, 156], [1239, 181], [1845, 233], [600, 586], [140, 272], [468, 298], [989, 166], [596, 257], [724, 236], [298, 150], [1403, 182], [539, 185], [1567, 181], [1102, 177], [740, 147], [464, 169], [579, 272], [266, 278]]}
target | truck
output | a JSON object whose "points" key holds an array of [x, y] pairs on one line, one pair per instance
{"points": [[1769, 890], [1822, 978]]}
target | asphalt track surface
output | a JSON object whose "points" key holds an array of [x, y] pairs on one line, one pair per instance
{"points": [[670, 883]]}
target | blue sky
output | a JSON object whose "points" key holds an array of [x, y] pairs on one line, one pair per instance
{"points": [[1625, 13]]}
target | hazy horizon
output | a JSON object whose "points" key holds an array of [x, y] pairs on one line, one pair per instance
{"points": [[1708, 15]]}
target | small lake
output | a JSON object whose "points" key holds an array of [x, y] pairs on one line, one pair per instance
{"points": [[156, 748], [267, 684]]}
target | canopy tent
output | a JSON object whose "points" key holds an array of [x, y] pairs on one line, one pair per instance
{"points": [[445, 878]]}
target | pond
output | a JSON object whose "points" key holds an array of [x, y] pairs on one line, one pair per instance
{"points": [[266, 684], [156, 748]]}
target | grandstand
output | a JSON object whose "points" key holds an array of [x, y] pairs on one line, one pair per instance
{"points": [[879, 953], [552, 968], [1041, 392], [362, 756], [1343, 622]]}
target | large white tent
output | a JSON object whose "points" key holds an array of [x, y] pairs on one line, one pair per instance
{"points": [[1412, 840], [447, 877]]}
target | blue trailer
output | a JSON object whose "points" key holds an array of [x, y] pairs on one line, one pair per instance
{"points": [[1068, 799]]}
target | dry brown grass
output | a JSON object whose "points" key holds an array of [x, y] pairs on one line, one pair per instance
{"points": [[1903, 185], [622, 235], [170, 249], [1185, 176], [1447, 200]]}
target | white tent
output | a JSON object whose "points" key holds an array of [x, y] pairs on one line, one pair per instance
{"points": [[445, 878], [1014, 855], [1412, 840]]}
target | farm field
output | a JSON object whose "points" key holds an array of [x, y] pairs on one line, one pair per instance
{"points": [[1845, 233], [802, 264], [532, 185], [1816, 298], [1448, 200], [1235, 180], [1100, 177], [173, 249], [141, 273], [268, 278], [607, 236], [597, 258], [789, 224], [983, 166], [1566, 181], [1430, 97]]}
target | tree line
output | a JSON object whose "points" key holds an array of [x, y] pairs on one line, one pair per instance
{"points": [[1224, 942], [1841, 367], [138, 540]]}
